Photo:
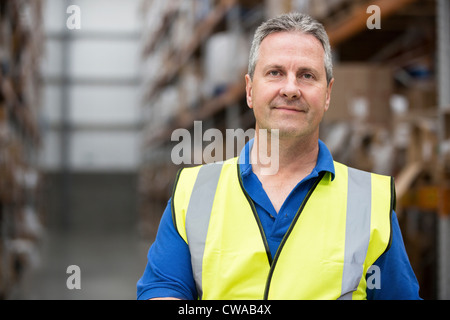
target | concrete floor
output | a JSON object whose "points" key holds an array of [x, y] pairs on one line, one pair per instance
{"points": [[110, 265], [103, 240]]}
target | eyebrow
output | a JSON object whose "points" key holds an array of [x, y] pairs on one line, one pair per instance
{"points": [[272, 66], [300, 70]]}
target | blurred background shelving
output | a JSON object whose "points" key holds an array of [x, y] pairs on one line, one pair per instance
{"points": [[21, 38], [87, 118]]}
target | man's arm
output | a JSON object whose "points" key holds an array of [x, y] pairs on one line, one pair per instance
{"points": [[398, 281], [168, 273]]}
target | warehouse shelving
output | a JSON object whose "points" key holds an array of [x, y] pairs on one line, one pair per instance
{"points": [[21, 215], [180, 56], [178, 52]]}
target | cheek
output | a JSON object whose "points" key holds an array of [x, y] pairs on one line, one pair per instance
{"points": [[316, 99], [256, 101], [264, 95]]}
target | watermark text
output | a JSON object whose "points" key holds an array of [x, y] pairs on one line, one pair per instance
{"points": [[74, 20], [190, 148], [374, 20], [74, 280]]}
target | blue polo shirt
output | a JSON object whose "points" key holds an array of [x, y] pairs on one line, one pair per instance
{"points": [[169, 274]]}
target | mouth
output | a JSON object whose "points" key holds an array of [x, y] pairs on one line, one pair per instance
{"points": [[291, 109]]}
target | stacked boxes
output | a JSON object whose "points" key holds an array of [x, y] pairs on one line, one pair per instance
{"points": [[20, 182]]}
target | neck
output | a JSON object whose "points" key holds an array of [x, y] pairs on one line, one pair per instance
{"points": [[292, 157]]}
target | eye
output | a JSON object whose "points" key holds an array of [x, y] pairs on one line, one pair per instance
{"points": [[308, 76], [274, 73]]}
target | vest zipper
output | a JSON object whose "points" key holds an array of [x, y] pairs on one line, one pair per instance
{"points": [[252, 205], [286, 236]]}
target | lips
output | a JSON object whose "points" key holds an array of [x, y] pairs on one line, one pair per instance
{"points": [[290, 108], [293, 106]]}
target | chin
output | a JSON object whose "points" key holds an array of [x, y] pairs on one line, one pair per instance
{"points": [[291, 130]]}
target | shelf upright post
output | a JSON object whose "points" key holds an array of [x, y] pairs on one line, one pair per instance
{"points": [[443, 67], [65, 131]]}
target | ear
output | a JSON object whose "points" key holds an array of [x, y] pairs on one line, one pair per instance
{"points": [[328, 97], [248, 90]]}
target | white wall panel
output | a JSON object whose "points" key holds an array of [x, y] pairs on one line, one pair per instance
{"points": [[104, 104], [103, 151], [102, 96], [51, 108], [50, 153], [97, 58], [54, 15], [109, 15], [51, 63]]}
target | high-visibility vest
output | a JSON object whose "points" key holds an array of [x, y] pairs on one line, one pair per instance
{"points": [[339, 231]]}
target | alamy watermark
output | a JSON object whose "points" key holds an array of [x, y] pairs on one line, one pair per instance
{"points": [[190, 149], [74, 20], [373, 276], [374, 21], [74, 280]]}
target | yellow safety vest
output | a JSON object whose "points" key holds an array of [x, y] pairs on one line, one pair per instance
{"points": [[339, 231]]}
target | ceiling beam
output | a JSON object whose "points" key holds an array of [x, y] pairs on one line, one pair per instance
{"points": [[356, 21]]}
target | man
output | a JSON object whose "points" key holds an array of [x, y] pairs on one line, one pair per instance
{"points": [[314, 229]]}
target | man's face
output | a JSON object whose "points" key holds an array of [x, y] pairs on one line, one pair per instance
{"points": [[289, 89]]}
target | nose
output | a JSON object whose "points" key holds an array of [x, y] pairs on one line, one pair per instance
{"points": [[290, 89]]}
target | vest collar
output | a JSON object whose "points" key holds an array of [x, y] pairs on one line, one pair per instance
{"points": [[324, 160]]}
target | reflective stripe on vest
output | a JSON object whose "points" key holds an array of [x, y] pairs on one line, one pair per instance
{"points": [[357, 224], [357, 229], [197, 216]]}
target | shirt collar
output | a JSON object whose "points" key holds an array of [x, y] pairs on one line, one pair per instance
{"points": [[324, 160]]}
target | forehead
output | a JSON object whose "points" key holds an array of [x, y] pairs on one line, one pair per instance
{"points": [[291, 45]]}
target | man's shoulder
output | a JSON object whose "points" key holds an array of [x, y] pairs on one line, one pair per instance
{"points": [[343, 166], [207, 166]]}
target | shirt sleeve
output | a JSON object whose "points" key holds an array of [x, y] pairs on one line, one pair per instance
{"points": [[397, 278], [168, 272]]}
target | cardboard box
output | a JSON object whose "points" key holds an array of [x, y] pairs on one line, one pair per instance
{"points": [[361, 92]]}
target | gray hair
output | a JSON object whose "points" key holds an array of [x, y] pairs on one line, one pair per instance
{"points": [[293, 21]]}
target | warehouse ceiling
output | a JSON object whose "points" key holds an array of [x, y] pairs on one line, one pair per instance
{"points": [[406, 38]]}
